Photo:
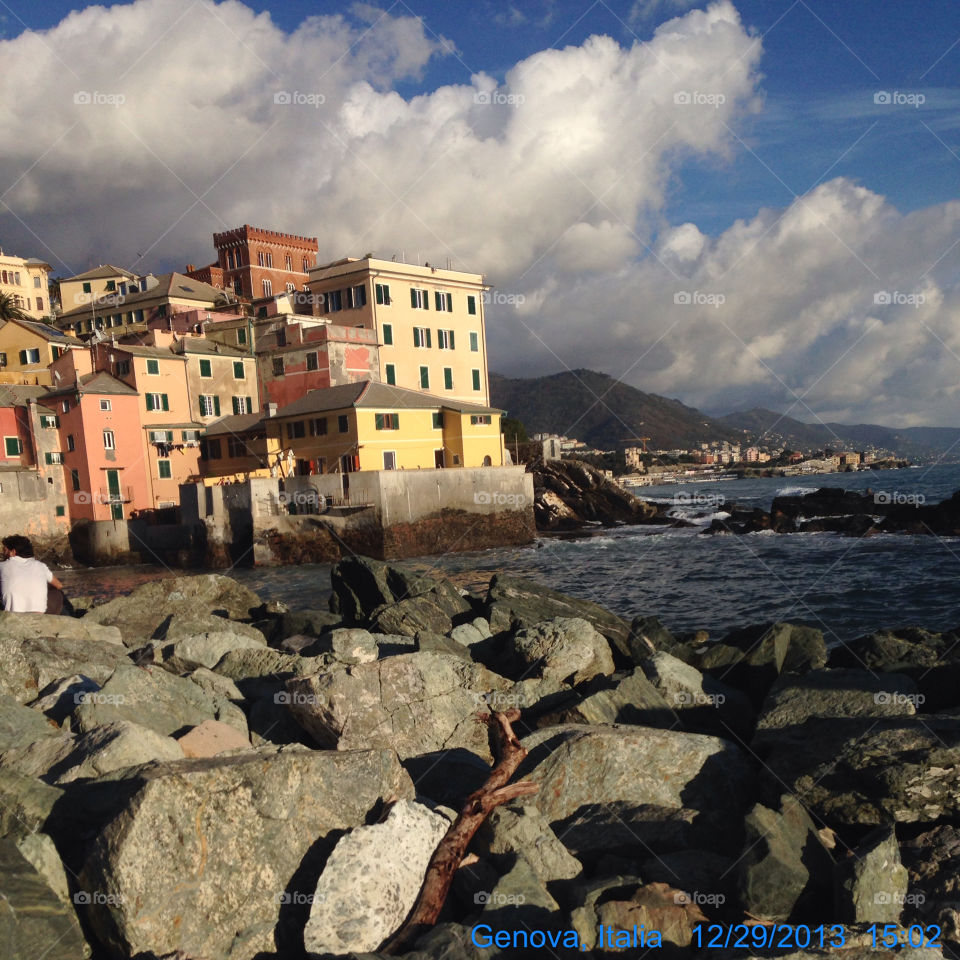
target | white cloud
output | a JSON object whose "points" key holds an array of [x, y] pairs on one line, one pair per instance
{"points": [[553, 185]]}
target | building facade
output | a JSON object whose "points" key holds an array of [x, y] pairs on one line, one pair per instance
{"points": [[27, 347], [27, 280]]}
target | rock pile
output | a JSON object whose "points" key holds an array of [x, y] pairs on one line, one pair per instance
{"points": [[186, 772]]}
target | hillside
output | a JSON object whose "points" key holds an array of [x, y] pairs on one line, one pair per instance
{"points": [[602, 411]]}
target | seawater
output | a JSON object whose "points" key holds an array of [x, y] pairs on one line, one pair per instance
{"points": [[843, 585]]}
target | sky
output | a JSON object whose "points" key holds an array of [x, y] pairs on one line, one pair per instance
{"points": [[736, 204]]}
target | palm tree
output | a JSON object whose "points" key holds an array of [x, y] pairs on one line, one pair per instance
{"points": [[10, 309]]}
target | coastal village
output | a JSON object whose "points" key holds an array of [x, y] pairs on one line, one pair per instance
{"points": [[140, 393]]}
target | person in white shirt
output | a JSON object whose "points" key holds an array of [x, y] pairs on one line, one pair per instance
{"points": [[24, 579]]}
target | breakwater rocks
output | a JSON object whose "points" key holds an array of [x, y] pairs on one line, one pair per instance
{"points": [[835, 510], [188, 772]]}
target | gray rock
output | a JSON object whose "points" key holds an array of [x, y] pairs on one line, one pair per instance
{"points": [[20, 724], [871, 884], [34, 921], [60, 699], [371, 880], [187, 642], [413, 703], [36, 652], [566, 649], [154, 698], [306, 623], [241, 841], [630, 789], [41, 852], [932, 860], [215, 684], [411, 616], [470, 633], [649, 636], [142, 613], [239, 665], [513, 603], [348, 645], [520, 900], [26, 804], [112, 746], [584, 918], [785, 869], [428, 642]]}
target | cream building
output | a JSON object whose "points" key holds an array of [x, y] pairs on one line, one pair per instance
{"points": [[27, 280], [429, 322], [95, 284]]}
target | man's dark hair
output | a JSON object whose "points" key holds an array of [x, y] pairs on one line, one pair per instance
{"points": [[19, 544]]}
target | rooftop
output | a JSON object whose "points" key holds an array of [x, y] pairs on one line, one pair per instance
{"points": [[102, 272], [100, 382], [48, 332], [372, 394], [234, 424], [169, 285], [18, 395], [203, 346]]}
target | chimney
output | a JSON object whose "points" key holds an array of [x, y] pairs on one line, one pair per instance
{"points": [[190, 268]]}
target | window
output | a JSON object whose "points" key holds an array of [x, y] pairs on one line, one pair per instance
{"points": [[419, 299], [318, 427], [281, 337], [161, 436], [40, 307], [157, 401], [476, 379], [163, 469], [388, 334], [305, 263], [313, 361], [153, 367], [445, 340], [474, 341], [53, 456], [267, 288], [382, 291], [189, 436], [261, 259], [438, 420], [3, 359], [237, 369], [443, 301], [421, 337], [278, 366], [75, 479], [29, 356], [242, 405], [205, 370], [105, 405], [209, 405], [229, 259], [236, 447], [13, 446], [424, 378], [287, 262], [49, 420], [357, 297], [210, 449], [61, 510], [87, 288], [472, 305], [71, 443], [343, 424], [387, 421], [480, 418], [448, 378], [290, 287], [295, 430], [111, 286], [65, 406], [241, 336], [391, 374], [123, 368], [138, 316], [334, 301], [36, 282], [108, 441], [389, 460]]}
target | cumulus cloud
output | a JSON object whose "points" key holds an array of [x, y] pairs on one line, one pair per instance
{"points": [[134, 132]]}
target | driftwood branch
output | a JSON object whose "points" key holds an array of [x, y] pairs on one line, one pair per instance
{"points": [[450, 852]]}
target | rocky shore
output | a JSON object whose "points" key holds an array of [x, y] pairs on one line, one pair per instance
{"points": [[187, 772]]}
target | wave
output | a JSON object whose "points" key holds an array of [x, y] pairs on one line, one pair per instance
{"points": [[698, 517], [795, 491]]}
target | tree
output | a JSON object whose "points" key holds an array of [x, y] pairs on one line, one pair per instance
{"points": [[10, 309], [513, 430]]}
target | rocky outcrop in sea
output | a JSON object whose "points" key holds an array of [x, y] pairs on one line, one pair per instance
{"points": [[190, 772]]}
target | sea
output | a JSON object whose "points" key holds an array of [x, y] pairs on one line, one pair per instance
{"points": [[845, 586]]}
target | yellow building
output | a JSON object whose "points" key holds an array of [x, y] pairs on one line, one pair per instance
{"points": [[27, 281], [374, 426], [429, 322], [94, 285], [28, 346]]}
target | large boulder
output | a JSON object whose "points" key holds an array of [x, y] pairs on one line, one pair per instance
{"points": [[629, 790], [143, 614], [371, 880], [410, 616], [218, 857], [20, 724], [154, 698], [566, 649], [932, 861], [649, 636], [112, 746], [185, 642], [34, 921], [413, 703], [871, 884], [26, 804], [513, 603]]}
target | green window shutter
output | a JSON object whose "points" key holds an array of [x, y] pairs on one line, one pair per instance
{"points": [[216, 405], [164, 402], [449, 303], [437, 299], [153, 366], [448, 378], [47, 458], [378, 417], [169, 436], [23, 356], [11, 444], [391, 374], [476, 379], [413, 298], [425, 378], [416, 336], [203, 412], [204, 368], [388, 334], [164, 469], [474, 342], [472, 305], [429, 344], [452, 347], [237, 369], [149, 401], [379, 291], [396, 421], [236, 405], [426, 299]]}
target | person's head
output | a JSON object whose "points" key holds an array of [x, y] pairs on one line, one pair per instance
{"points": [[17, 546]]}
